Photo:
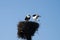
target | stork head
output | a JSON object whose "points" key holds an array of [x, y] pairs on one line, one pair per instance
{"points": [[36, 15], [28, 16]]}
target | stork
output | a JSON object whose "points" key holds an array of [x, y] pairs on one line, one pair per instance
{"points": [[27, 18], [35, 17]]}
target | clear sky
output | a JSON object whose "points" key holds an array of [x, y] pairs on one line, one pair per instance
{"points": [[13, 11]]}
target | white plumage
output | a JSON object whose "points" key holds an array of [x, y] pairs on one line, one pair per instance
{"points": [[35, 17], [27, 18]]}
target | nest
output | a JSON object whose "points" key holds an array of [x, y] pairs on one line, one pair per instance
{"points": [[27, 29]]}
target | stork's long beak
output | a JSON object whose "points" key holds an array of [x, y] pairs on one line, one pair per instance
{"points": [[39, 16]]}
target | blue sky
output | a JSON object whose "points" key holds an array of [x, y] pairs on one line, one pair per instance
{"points": [[13, 11]]}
